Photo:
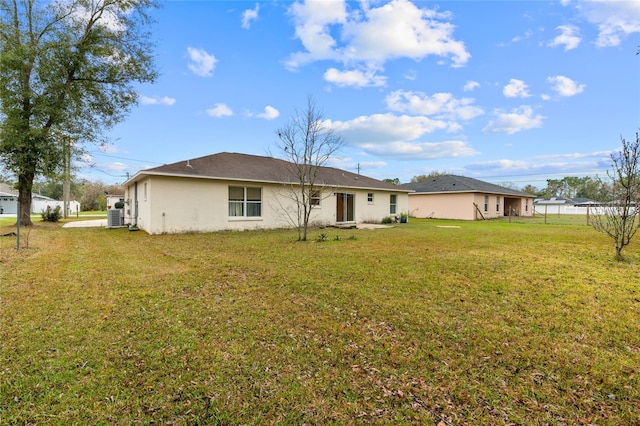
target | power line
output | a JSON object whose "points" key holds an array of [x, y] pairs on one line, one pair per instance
{"points": [[122, 158]]}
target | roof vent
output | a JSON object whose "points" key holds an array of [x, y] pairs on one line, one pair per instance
{"points": [[189, 165]]}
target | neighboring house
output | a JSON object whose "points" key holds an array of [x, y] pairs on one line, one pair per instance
{"points": [[230, 191], [39, 203], [112, 199], [459, 197], [8, 203]]}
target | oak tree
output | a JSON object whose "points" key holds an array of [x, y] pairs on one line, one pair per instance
{"points": [[68, 69]]}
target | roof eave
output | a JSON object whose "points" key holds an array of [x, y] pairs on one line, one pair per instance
{"points": [[139, 176]]}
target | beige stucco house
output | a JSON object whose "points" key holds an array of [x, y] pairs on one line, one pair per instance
{"points": [[459, 197], [230, 191]]}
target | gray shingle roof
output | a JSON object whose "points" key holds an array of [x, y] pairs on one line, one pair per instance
{"points": [[452, 183], [255, 168]]}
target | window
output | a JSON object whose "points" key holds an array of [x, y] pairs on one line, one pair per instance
{"points": [[244, 201], [145, 191], [370, 197], [526, 205], [497, 204], [486, 203], [393, 204], [314, 198]]}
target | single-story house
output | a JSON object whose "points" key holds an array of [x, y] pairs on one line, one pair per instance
{"points": [[39, 203], [459, 197], [112, 199], [231, 191]]}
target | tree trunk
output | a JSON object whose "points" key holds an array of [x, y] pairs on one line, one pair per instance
{"points": [[25, 186]]}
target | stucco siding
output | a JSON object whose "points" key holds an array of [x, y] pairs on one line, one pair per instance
{"points": [[443, 206], [177, 205], [461, 205]]}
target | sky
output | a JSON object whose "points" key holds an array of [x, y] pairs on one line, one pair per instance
{"points": [[509, 92]]}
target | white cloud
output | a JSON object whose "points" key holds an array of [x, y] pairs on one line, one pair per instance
{"points": [[516, 89], [517, 39], [249, 15], [564, 86], [615, 20], [367, 37], [500, 165], [390, 135], [346, 163], [440, 105], [411, 75], [574, 155], [155, 100], [108, 148], [470, 85], [524, 36], [201, 63], [421, 150], [399, 29], [569, 37], [385, 128], [354, 78], [116, 166], [521, 118], [269, 113], [111, 17], [220, 110], [313, 21]]}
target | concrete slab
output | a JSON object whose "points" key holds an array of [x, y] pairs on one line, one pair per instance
{"points": [[95, 223]]}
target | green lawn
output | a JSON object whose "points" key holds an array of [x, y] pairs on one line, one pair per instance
{"points": [[429, 322]]}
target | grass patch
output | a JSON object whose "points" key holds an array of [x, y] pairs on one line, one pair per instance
{"points": [[490, 323]]}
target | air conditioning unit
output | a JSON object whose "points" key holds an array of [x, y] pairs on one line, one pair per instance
{"points": [[115, 218]]}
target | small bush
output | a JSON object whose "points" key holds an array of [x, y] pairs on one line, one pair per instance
{"points": [[387, 219], [51, 215]]}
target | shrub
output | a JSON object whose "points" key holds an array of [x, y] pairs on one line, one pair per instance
{"points": [[51, 215], [387, 219]]}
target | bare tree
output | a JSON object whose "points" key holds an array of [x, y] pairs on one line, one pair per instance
{"points": [[307, 142], [619, 218]]}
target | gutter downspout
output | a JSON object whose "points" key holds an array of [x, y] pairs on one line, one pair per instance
{"points": [[135, 204]]}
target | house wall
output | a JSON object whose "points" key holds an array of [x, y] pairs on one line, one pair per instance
{"points": [[178, 205], [461, 205], [39, 205], [8, 204], [442, 206]]}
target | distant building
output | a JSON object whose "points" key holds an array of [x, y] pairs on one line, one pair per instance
{"points": [[459, 197], [39, 203]]}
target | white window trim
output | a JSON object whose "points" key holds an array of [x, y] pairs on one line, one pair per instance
{"points": [[245, 204]]}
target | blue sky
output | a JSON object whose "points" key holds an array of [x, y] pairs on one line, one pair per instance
{"points": [[503, 91]]}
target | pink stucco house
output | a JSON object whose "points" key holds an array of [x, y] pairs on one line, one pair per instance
{"points": [[459, 197]]}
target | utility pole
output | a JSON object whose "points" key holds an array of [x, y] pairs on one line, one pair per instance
{"points": [[66, 184]]}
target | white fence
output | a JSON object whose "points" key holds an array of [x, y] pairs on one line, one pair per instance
{"points": [[551, 209]]}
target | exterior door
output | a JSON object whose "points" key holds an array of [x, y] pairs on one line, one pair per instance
{"points": [[345, 207]]}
